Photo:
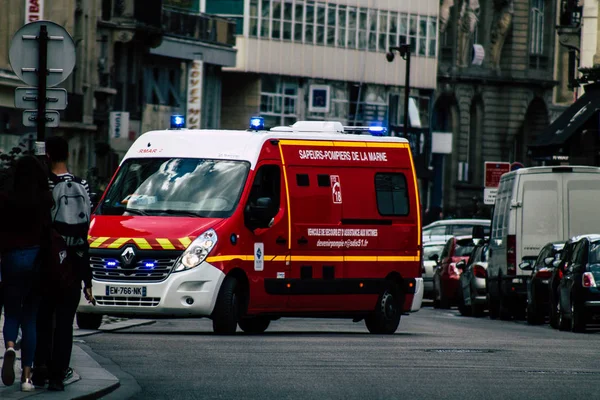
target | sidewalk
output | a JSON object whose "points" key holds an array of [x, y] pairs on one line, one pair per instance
{"points": [[89, 381]]}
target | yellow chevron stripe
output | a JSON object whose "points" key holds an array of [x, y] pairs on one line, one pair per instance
{"points": [[165, 243], [98, 242], [142, 243], [229, 258], [387, 145], [186, 241], [118, 243]]}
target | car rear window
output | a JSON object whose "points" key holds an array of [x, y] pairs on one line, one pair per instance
{"points": [[463, 250]]}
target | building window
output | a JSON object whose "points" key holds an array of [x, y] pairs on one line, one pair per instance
{"points": [[352, 25], [432, 34], [393, 31], [278, 100], [341, 26], [329, 24], [383, 30], [253, 18], [331, 14], [298, 22], [537, 27], [392, 194]]}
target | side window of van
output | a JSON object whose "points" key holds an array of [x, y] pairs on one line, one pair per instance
{"points": [[392, 194], [267, 184]]}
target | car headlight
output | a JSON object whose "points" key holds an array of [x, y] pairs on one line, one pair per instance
{"points": [[197, 252]]}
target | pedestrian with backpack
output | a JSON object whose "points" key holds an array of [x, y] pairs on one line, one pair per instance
{"points": [[24, 216], [70, 221]]}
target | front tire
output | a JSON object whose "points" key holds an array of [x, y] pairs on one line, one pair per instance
{"points": [[388, 311], [563, 323], [254, 324], [89, 321], [226, 313]]}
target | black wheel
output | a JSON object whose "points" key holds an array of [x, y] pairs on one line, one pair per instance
{"points": [[464, 310], [505, 311], [226, 313], [563, 323], [436, 296], [492, 305], [577, 318], [388, 310], [254, 324], [553, 314], [88, 321], [534, 316]]}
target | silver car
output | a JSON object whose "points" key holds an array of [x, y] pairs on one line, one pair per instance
{"points": [[472, 298], [431, 255], [444, 229]]}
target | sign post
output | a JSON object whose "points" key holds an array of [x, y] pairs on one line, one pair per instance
{"points": [[493, 171], [42, 54]]}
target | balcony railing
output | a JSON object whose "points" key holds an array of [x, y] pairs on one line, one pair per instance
{"points": [[202, 27]]}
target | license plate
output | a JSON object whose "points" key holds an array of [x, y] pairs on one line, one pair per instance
{"points": [[545, 280], [132, 291]]}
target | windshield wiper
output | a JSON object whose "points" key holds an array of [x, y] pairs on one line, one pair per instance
{"points": [[181, 212], [135, 211]]}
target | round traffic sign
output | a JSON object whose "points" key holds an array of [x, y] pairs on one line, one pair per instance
{"points": [[24, 53], [516, 165]]}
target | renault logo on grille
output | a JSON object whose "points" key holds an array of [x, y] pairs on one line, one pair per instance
{"points": [[127, 256]]}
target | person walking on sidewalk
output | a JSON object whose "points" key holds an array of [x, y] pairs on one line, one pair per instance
{"points": [[25, 214], [70, 218]]}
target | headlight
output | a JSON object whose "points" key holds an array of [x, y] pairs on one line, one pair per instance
{"points": [[197, 251]]}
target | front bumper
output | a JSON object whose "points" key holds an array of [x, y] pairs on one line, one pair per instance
{"points": [[191, 293]]}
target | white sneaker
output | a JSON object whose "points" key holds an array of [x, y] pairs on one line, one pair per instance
{"points": [[27, 386]]}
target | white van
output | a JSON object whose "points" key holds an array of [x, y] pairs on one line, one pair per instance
{"points": [[535, 206]]}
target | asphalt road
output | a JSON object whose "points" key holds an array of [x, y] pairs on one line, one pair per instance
{"points": [[434, 354]]}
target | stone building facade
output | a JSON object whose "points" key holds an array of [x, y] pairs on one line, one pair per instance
{"points": [[494, 92]]}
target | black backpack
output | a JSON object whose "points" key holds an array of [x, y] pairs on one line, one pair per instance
{"points": [[71, 211]]}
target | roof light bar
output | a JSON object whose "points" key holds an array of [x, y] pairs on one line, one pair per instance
{"points": [[257, 123], [177, 122]]}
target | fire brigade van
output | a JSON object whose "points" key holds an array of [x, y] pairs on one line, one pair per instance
{"points": [[245, 227]]}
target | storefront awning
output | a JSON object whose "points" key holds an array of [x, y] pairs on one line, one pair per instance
{"points": [[571, 119]]}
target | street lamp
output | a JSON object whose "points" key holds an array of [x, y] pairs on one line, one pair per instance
{"points": [[404, 51]]}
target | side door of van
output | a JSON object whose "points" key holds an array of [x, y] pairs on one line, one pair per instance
{"points": [[317, 239], [269, 243]]}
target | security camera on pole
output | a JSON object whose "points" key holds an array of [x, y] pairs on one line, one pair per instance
{"points": [[42, 54]]}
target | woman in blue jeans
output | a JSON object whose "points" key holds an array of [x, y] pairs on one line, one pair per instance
{"points": [[24, 216]]}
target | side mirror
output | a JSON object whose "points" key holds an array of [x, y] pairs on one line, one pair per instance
{"points": [[434, 257], [525, 266], [478, 232], [556, 263], [461, 265], [548, 261], [260, 213]]}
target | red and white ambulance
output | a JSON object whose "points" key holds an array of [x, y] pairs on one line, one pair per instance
{"points": [[245, 227]]}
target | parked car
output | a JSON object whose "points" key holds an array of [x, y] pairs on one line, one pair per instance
{"points": [[578, 293], [535, 206], [472, 296], [538, 300], [446, 275], [431, 256], [445, 229]]}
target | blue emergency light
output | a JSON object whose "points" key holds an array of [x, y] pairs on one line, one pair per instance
{"points": [[257, 123], [377, 130], [177, 122]]}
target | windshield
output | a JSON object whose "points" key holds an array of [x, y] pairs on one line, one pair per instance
{"points": [[176, 186], [428, 251]]}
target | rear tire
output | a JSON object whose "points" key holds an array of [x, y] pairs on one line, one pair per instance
{"points": [[226, 313], [388, 311], [254, 324], [534, 316], [436, 296], [89, 321], [464, 310], [563, 323], [577, 318], [493, 306]]}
